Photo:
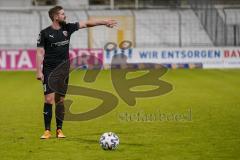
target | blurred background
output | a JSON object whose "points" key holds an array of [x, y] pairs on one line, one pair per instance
{"points": [[148, 24]]}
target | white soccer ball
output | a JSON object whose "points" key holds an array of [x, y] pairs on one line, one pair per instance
{"points": [[109, 141]]}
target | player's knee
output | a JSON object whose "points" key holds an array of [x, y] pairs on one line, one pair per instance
{"points": [[49, 99], [60, 100]]}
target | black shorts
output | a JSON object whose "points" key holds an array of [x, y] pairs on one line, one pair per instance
{"points": [[56, 79]]}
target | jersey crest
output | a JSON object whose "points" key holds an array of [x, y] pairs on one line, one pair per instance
{"points": [[65, 33]]}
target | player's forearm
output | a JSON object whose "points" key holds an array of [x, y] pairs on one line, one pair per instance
{"points": [[95, 22], [92, 23], [39, 60]]}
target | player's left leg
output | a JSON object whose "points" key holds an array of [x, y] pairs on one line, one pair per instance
{"points": [[59, 113], [61, 85]]}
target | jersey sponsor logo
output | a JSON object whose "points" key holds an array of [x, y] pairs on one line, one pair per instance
{"points": [[58, 44], [65, 33]]}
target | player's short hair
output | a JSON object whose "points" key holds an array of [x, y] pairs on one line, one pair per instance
{"points": [[54, 11]]}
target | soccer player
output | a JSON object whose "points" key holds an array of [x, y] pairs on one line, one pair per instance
{"points": [[52, 50]]}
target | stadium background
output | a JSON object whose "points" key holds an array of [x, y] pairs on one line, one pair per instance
{"points": [[189, 34]]}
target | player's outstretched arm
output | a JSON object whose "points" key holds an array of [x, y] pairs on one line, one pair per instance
{"points": [[95, 22], [39, 60]]}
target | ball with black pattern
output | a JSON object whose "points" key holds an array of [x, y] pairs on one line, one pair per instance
{"points": [[109, 141]]}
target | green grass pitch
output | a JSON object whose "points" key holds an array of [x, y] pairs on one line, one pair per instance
{"points": [[210, 98]]}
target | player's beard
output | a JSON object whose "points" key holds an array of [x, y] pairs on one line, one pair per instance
{"points": [[62, 23]]}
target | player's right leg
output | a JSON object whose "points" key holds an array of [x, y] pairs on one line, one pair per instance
{"points": [[49, 97], [47, 114]]}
